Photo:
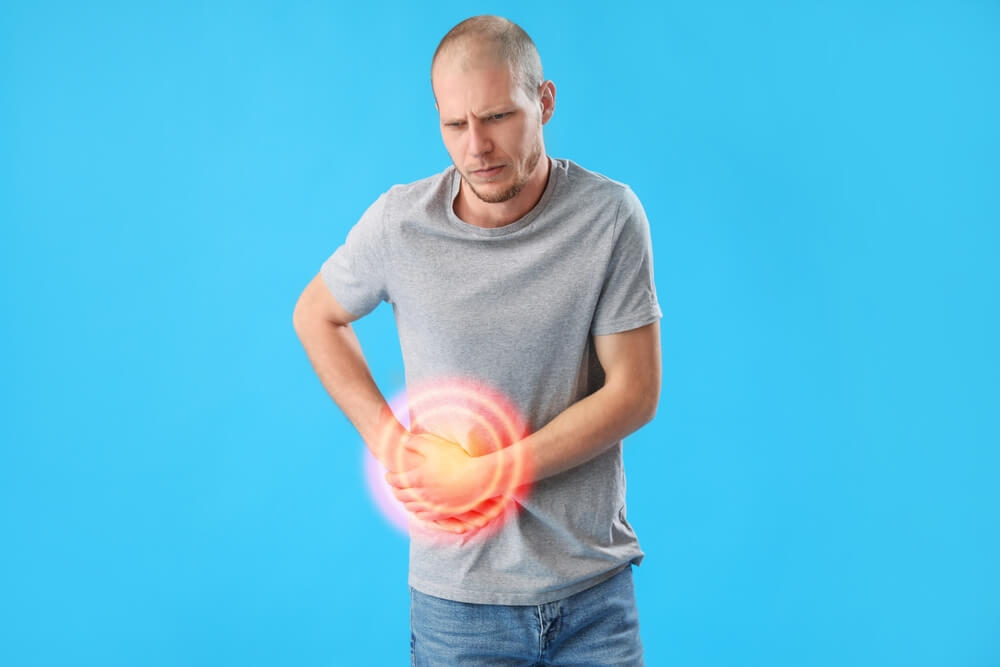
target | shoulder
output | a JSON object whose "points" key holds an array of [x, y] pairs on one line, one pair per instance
{"points": [[584, 182], [418, 193], [586, 185]]}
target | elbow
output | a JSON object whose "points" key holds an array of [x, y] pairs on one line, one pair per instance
{"points": [[296, 319], [297, 312], [302, 316], [638, 404], [647, 400], [652, 412], [637, 401], [649, 406], [301, 320], [651, 394]]}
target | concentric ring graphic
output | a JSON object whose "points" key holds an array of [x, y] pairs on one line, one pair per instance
{"points": [[472, 414]]}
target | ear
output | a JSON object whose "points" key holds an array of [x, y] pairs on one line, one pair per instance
{"points": [[547, 98]]}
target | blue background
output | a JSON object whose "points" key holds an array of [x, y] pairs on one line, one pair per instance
{"points": [[820, 485]]}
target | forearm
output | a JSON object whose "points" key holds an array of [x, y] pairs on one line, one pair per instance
{"points": [[582, 431], [336, 356]]}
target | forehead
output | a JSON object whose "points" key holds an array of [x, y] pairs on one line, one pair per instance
{"points": [[467, 84]]}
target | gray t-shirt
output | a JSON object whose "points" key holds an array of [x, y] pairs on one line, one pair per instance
{"points": [[515, 308]]}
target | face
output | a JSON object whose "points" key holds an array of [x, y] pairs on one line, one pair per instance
{"points": [[491, 127]]}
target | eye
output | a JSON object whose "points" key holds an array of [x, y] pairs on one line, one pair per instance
{"points": [[498, 116]]}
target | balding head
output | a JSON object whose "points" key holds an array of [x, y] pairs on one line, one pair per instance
{"points": [[492, 40]]}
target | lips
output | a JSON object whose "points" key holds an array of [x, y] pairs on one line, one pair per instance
{"points": [[489, 172]]}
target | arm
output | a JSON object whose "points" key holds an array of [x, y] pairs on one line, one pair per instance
{"points": [[627, 401], [323, 327]]}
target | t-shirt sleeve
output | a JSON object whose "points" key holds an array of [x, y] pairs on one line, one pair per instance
{"points": [[356, 273], [628, 296]]}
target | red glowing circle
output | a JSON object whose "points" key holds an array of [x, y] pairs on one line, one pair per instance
{"points": [[477, 417]]}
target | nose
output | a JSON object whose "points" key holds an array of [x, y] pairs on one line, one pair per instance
{"points": [[479, 140]]}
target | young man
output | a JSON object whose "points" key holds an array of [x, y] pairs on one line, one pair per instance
{"points": [[520, 281]]}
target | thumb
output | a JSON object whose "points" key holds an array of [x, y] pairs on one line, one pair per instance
{"points": [[413, 442], [403, 455]]}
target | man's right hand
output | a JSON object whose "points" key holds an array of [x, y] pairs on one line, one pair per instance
{"points": [[397, 457], [401, 458], [472, 520]]}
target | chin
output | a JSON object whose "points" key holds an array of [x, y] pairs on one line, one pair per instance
{"points": [[495, 187]]}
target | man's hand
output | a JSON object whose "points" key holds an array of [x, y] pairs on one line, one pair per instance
{"points": [[472, 520], [397, 458], [447, 484]]}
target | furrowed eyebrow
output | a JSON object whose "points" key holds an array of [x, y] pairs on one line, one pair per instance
{"points": [[481, 115], [493, 112]]}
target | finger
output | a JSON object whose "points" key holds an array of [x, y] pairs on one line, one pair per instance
{"points": [[425, 443], [431, 509], [410, 495], [490, 506], [448, 524], [471, 519], [401, 459], [428, 510], [451, 525], [415, 443], [479, 514], [415, 503], [421, 500], [420, 506], [404, 479], [427, 513], [474, 518]]}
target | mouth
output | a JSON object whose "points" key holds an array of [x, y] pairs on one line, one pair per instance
{"points": [[488, 172]]}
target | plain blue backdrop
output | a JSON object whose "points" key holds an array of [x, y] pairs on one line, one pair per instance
{"points": [[820, 484]]}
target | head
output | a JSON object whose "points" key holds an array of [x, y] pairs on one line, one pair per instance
{"points": [[492, 102]]}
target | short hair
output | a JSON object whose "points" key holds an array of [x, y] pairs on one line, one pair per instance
{"points": [[503, 39]]}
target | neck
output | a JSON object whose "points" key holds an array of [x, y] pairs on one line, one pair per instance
{"points": [[473, 210]]}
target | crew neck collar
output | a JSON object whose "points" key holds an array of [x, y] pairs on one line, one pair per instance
{"points": [[510, 227]]}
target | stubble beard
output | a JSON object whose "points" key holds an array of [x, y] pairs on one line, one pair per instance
{"points": [[515, 189]]}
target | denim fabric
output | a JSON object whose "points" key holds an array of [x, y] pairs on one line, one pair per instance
{"points": [[597, 627]]}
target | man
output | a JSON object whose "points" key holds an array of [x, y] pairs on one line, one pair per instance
{"points": [[527, 279]]}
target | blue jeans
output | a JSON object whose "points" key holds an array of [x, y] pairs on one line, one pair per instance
{"points": [[598, 626]]}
